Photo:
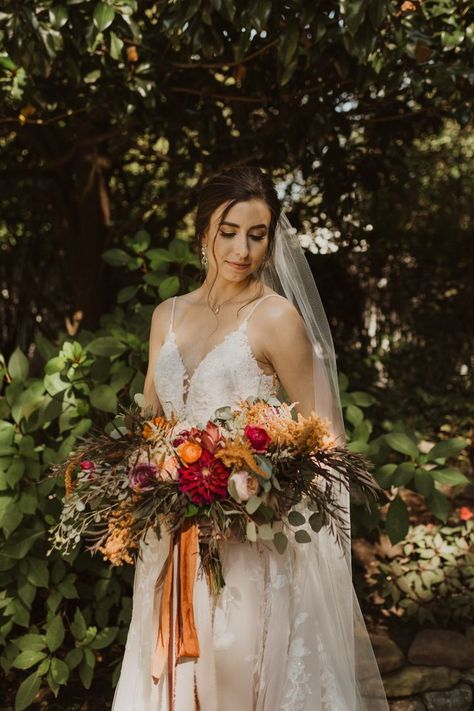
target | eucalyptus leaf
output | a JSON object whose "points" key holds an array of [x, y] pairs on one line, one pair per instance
{"points": [[302, 536], [295, 518], [253, 504]]}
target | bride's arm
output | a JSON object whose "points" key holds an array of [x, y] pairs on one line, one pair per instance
{"points": [[289, 350], [159, 324]]}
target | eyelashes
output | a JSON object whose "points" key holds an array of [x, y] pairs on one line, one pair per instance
{"points": [[256, 238]]}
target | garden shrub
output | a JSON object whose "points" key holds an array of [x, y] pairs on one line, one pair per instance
{"points": [[432, 580], [63, 618]]}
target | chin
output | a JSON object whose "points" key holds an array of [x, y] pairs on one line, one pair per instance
{"points": [[235, 275]]}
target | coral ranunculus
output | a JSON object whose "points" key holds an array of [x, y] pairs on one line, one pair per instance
{"points": [[189, 452], [204, 481], [258, 438]]}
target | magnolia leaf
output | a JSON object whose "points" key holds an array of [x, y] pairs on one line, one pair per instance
{"points": [[74, 657], [103, 16], [86, 674], [55, 633], [354, 415], [424, 482], [168, 287], [362, 399], [78, 626], [446, 448], [58, 16], [18, 365], [106, 346], [116, 257], [28, 658], [59, 671], [397, 522], [103, 397], [449, 476], [384, 475], [127, 293], [104, 638], [30, 642], [27, 691], [400, 442], [439, 505], [403, 474]]}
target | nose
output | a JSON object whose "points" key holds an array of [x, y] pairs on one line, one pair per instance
{"points": [[242, 247]]}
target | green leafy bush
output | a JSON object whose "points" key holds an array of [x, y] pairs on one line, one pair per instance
{"points": [[433, 579], [399, 461]]}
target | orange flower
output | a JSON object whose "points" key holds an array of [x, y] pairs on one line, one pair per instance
{"points": [[189, 452], [465, 513]]}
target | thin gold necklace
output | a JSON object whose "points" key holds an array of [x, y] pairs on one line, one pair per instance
{"points": [[217, 307]]}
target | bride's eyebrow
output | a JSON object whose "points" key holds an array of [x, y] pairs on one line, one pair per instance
{"points": [[253, 227]]}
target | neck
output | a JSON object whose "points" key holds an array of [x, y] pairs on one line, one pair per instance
{"points": [[222, 290]]}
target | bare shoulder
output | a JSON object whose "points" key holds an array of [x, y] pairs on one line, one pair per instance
{"points": [[277, 312], [161, 315]]}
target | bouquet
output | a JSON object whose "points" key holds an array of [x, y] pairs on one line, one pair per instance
{"points": [[258, 471]]}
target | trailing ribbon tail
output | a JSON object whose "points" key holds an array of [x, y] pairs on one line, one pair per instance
{"points": [[177, 595]]}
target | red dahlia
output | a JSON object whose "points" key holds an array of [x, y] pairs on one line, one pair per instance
{"points": [[204, 481]]}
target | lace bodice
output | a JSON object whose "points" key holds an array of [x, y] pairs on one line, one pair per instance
{"points": [[227, 373]]}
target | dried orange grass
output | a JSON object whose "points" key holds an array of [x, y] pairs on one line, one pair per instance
{"points": [[237, 454], [121, 539], [302, 436]]}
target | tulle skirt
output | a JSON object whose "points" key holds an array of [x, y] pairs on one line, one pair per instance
{"points": [[274, 639]]}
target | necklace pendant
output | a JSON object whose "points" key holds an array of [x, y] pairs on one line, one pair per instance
{"points": [[216, 309]]}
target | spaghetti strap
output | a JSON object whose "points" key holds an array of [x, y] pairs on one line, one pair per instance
{"points": [[267, 296], [170, 328]]}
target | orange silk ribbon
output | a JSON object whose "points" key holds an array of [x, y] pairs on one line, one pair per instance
{"points": [[181, 581]]}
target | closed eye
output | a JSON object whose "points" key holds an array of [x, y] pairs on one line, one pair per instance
{"points": [[257, 238]]}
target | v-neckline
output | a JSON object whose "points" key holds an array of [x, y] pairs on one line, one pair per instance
{"points": [[190, 376]]}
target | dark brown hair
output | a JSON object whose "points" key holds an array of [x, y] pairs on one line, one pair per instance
{"points": [[234, 185]]}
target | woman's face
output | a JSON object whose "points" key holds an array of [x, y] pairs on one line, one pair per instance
{"points": [[241, 242]]}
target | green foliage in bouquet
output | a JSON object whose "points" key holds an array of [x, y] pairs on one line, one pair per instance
{"points": [[253, 470]]}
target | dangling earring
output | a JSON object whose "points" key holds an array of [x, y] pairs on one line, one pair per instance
{"points": [[204, 259]]}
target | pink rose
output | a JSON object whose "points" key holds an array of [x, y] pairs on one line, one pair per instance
{"points": [[258, 438], [245, 485]]}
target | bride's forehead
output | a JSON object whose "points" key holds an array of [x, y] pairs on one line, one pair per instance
{"points": [[246, 213]]}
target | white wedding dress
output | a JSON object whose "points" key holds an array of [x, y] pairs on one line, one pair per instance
{"points": [[271, 640]]}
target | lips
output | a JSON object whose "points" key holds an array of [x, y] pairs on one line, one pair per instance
{"points": [[238, 266]]}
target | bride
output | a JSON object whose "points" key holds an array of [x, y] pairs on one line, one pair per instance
{"points": [[286, 631]]}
